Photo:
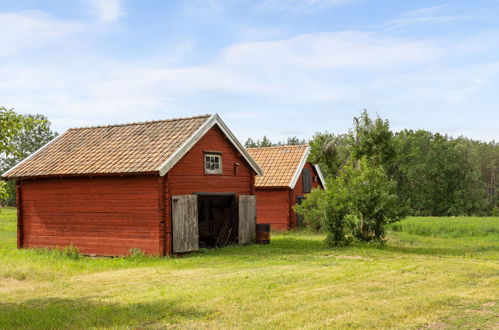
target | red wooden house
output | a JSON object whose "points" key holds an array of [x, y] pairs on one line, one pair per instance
{"points": [[288, 177], [163, 187]]}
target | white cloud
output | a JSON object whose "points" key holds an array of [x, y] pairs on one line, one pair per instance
{"points": [[335, 50], [300, 6], [32, 29], [106, 11], [427, 15]]}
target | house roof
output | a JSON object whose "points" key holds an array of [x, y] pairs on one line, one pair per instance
{"points": [[154, 146], [282, 165]]}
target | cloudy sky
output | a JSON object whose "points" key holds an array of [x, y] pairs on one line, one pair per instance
{"points": [[272, 67]]}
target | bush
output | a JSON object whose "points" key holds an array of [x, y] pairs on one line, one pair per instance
{"points": [[311, 210], [495, 212], [360, 203]]}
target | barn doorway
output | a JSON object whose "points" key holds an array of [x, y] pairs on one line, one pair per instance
{"points": [[217, 220]]}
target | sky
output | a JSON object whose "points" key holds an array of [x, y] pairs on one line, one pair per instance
{"points": [[278, 68]]}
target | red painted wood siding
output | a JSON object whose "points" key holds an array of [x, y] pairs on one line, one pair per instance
{"points": [[272, 207], [99, 215], [188, 177]]}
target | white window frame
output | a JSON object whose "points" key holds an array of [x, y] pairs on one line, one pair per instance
{"points": [[210, 159]]}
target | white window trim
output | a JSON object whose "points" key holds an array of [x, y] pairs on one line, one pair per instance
{"points": [[220, 167]]}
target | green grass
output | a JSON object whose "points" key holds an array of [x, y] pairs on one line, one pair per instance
{"points": [[449, 227], [413, 281]]}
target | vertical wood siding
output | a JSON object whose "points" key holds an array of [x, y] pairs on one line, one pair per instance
{"points": [[99, 215]]}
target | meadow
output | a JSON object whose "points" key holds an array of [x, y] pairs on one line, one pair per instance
{"points": [[431, 273]]}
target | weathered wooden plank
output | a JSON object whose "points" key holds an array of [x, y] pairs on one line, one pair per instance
{"points": [[247, 219], [185, 223]]}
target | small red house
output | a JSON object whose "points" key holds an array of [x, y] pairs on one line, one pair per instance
{"points": [[288, 176], [163, 187]]}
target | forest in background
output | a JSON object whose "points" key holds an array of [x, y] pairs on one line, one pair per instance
{"points": [[436, 175]]}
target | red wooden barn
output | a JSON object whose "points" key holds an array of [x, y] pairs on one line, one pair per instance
{"points": [[288, 176], [163, 187]]}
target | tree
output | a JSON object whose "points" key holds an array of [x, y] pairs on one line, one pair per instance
{"points": [[372, 140], [265, 142], [11, 124], [329, 151], [26, 140]]}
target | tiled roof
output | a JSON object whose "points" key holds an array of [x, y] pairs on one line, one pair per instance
{"points": [[279, 164], [126, 148]]}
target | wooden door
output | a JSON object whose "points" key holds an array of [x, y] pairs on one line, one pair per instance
{"points": [[185, 223], [247, 219]]}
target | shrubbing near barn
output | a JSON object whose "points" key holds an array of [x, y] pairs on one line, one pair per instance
{"points": [[288, 178], [168, 186]]}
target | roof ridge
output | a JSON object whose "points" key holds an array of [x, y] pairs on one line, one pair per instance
{"points": [[284, 146], [141, 122]]}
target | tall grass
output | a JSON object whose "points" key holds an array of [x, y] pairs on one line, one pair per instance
{"points": [[451, 227]]}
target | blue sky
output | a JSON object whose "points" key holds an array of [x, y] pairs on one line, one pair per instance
{"points": [[272, 67]]}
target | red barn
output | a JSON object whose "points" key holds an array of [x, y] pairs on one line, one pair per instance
{"points": [[288, 176], [163, 187]]}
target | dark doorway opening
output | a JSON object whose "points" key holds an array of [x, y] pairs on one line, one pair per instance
{"points": [[217, 220]]}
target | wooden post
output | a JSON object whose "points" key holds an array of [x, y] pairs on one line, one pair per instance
{"points": [[162, 216], [291, 213], [19, 205]]}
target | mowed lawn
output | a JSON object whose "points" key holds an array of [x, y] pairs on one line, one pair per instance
{"points": [[424, 276]]}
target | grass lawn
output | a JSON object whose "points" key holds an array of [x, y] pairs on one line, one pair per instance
{"points": [[436, 278]]}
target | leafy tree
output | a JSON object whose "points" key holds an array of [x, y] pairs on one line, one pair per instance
{"points": [[329, 151], [440, 176], [372, 140], [266, 142], [10, 125], [360, 202], [25, 141]]}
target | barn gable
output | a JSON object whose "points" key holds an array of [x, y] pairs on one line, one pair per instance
{"points": [[282, 166]]}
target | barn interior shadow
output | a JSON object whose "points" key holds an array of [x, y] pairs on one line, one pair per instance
{"points": [[59, 313]]}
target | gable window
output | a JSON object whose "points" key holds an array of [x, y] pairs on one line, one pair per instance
{"points": [[212, 163]]}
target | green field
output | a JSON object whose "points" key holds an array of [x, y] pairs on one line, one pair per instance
{"points": [[432, 273]]}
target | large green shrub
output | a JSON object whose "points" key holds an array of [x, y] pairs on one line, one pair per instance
{"points": [[359, 203], [311, 210]]}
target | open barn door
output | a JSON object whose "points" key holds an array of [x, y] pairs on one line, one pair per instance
{"points": [[185, 223], [247, 219]]}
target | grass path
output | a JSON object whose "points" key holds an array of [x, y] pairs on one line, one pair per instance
{"points": [[413, 281]]}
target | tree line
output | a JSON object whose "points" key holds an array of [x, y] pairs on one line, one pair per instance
{"points": [[434, 174]]}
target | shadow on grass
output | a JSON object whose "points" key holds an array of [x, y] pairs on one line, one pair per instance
{"points": [[58, 313]]}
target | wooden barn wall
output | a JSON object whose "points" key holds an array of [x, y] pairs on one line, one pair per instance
{"points": [[273, 207], [99, 215], [188, 176]]}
